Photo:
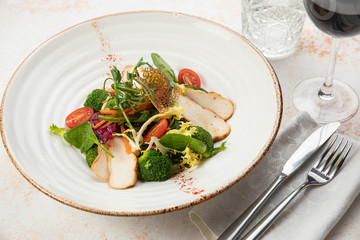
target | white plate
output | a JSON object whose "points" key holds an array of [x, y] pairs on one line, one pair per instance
{"points": [[56, 78]]}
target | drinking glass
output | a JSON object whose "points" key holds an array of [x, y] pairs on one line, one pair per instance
{"points": [[326, 99], [273, 26]]}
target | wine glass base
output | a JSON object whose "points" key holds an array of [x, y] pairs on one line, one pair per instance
{"points": [[340, 108]]}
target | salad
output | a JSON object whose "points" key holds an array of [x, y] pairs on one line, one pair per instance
{"points": [[144, 123]]}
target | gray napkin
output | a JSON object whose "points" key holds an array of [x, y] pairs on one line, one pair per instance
{"points": [[311, 215]]}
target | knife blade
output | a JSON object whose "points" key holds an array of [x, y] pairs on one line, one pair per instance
{"points": [[306, 149]]}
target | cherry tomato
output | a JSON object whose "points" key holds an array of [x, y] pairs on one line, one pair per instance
{"points": [[157, 130], [79, 116], [189, 77]]}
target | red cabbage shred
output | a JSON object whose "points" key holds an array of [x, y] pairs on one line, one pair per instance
{"points": [[103, 133]]}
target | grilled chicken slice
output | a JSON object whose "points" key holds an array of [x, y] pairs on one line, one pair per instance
{"points": [[212, 101], [123, 166], [205, 118], [100, 165]]}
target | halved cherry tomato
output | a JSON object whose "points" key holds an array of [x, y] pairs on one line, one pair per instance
{"points": [[79, 116], [157, 130], [189, 77]]}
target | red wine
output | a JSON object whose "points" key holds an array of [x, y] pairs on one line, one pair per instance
{"points": [[339, 18]]}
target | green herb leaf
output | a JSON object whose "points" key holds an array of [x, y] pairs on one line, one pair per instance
{"points": [[56, 130], [171, 78], [129, 75], [112, 103], [144, 116], [83, 138], [116, 74], [180, 142], [109, 118], [221, 148], [195, 88], [139, 63], [141, 116], [160, 63]]}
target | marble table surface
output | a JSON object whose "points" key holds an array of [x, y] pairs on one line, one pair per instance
{"points": [[26, 213]]}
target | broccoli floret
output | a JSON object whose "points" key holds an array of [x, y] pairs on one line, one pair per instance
{"points": [[96, 98], [204, 136], [153, 166], [91, 154]]}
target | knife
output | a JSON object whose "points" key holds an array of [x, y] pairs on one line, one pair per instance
{"points": [[306, 149]]}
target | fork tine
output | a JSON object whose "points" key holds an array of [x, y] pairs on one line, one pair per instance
{"points": [[340, 163], [331, 156], [333, 162], [317, 164]]}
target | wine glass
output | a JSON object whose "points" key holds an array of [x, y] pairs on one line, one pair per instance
{"points": [[326, 99]]}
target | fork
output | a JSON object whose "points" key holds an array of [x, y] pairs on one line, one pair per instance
{"points": [[323, 171]]}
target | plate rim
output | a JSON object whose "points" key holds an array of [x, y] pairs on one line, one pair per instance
{"points": [[253, 164]]}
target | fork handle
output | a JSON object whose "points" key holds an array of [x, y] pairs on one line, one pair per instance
{"points": [[261, 227], [239, 225]]}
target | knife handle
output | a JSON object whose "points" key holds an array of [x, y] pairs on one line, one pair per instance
{"points": [[261, 227], [239, 225]]}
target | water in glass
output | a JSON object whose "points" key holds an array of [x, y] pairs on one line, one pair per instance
{"points": [[274, 26]]}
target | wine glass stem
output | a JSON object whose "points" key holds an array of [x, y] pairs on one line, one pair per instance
{"points": [[326, 92]]}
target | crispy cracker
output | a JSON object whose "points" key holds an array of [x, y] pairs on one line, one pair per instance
{"points": [[157, 86]]}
